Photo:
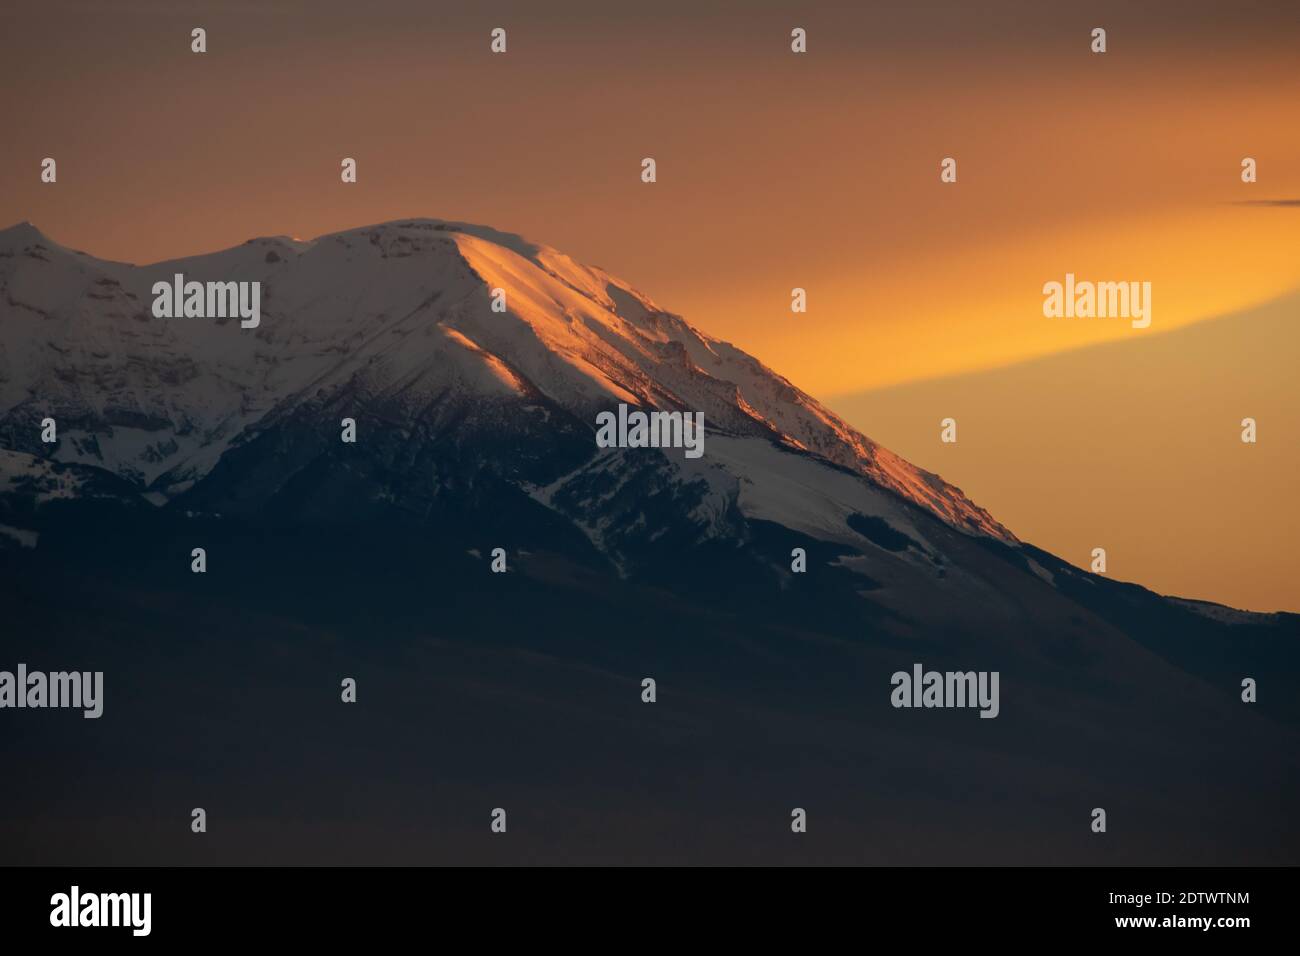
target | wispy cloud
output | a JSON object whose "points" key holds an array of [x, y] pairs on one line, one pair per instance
{"points": [[1267, 202]]}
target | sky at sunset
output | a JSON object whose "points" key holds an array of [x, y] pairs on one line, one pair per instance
{"points": [[777, 171]]}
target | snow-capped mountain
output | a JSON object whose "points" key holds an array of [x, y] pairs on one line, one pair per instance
{"points": [[398, 318]]}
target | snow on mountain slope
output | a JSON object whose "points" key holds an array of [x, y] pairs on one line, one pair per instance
{"points": [[398, 318]]}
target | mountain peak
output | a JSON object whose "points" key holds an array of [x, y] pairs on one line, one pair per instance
{"points": [[22, 233], [509, 240]]}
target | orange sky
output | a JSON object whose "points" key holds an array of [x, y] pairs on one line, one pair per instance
{"points": [[775, 170], [1133, 446]]}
